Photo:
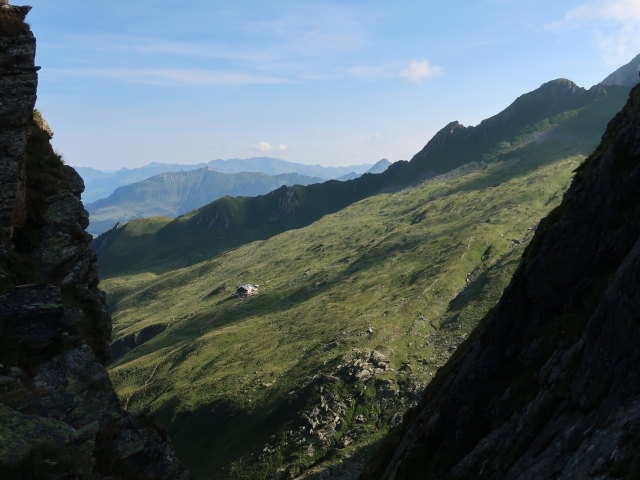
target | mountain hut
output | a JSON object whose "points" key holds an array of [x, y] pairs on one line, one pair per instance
{"points": [[246, 290]]}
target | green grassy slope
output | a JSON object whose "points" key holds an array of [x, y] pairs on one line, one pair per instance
{"points": [[558, 109], [173, 193], [356, 313]]}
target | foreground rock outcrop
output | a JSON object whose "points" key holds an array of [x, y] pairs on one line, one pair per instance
{"points": [[59, 415], [548, 386]]}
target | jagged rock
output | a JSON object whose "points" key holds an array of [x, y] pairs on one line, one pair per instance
{"points": [[548, 386], [365, 366], [387, 389], [59, 415]]}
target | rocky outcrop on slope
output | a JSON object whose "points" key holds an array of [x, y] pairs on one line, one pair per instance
{"points": [[59, 415], [548, 386]]}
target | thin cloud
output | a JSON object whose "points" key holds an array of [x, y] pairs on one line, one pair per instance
{"points": [[312, 30], [127, 44], [615, 26], [282, 147], [419, 70], [171, 76], [373, 72]]}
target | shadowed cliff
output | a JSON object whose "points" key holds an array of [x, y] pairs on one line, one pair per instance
{"points": [[548, 386], [59, 415]]}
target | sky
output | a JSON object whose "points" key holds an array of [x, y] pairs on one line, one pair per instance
{"points": [[345, 82]]}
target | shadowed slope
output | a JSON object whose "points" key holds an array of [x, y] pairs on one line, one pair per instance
{"points": [[548, 385]]}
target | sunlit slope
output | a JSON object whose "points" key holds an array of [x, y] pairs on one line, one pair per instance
{"points": [[558, 116], [356, 313]]}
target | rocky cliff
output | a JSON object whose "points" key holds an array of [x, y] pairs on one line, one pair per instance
{"points": [[59, 415], [548, 386]]}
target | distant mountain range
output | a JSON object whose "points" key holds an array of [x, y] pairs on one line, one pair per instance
{"points": [[275, 166], [100, 184], [173, 193]]}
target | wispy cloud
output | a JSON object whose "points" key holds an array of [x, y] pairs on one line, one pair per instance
{"points": [[615, 26], [130, 44], [314, 29], [170, 76], [374, 72], [419, 70]]}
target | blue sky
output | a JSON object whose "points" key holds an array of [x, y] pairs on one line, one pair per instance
{"points": [[336, 83]]}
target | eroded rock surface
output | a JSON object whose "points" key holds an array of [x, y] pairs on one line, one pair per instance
{"points": [[59, 415]]}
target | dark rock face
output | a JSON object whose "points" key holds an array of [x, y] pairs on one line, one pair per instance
{"points": [[18, 87], [59, 415], [548, 386]]}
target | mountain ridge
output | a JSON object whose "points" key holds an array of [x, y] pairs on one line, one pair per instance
{"points": [[574, 114], [101, 183], [173, 193], [356, 310], [625, 75], [547, 385]]}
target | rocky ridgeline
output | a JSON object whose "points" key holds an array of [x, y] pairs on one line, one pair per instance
{"points": [[59, 415], [548, 386]]}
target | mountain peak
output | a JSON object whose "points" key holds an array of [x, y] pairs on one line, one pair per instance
{"points": [[380, 166], [625, 75]]}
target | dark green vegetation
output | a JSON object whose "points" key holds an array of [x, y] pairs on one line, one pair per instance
{"points": [[357, 311], [367, 287], [547, 386], [173, 193], [557, 119]]}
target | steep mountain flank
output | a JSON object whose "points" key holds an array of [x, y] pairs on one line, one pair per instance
{"points": [[59, 415], [521, 122], [625, 75], [559, 119], [173, 193], [548, 386]]}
